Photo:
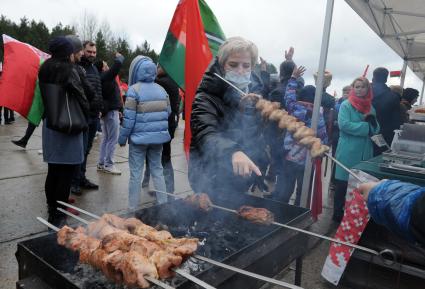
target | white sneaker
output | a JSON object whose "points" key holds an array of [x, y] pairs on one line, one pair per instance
{"points": [[100, 167], [111, 170]]}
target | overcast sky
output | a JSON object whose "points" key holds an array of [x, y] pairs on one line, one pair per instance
{"points": [[273, 25]]}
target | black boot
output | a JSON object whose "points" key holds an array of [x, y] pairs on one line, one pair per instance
{"points": [[20, 143], [56, 218]]}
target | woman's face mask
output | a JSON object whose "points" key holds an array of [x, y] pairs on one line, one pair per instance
{"points": [[238, 69]]}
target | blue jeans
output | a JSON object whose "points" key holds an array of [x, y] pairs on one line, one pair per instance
{"points": [[110, 127], [136, 160]]}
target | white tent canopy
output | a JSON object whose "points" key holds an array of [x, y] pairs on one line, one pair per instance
{"points": [[400, 24]]}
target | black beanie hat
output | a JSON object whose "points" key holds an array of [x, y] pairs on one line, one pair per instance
{"points": [[410, 94], [307, 94], [76, 42], [59, 47]]}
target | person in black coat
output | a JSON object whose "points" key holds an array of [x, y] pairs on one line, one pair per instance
{"points": [[387, 106], [61, 151], [172, 90], [93, 77], [227, 150], [110, 120]]}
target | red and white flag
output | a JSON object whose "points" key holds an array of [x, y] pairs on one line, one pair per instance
{"points": [[356, 217]]}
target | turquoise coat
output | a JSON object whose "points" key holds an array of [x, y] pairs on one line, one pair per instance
{"points": [[354, 144]]}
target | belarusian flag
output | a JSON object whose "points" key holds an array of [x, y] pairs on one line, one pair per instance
{"points": [[19, 90], [192, 40]]}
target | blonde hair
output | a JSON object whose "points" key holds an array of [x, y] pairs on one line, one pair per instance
{"points": [[397, 88], [362, 79], [237, 44], [327, 78]]}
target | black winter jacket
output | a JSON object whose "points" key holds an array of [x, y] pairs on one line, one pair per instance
{"points": [[111, 93], [172, 90], [387, 106], [62, 72], [219, 129], [93, 77]]}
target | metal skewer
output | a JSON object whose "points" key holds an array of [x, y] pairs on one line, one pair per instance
{"points": [[208, 260], [54, 228], [309, 233], [344, 167]]}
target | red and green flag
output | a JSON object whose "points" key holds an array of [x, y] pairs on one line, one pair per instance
{"points": [[19, 90], [192, 41]]}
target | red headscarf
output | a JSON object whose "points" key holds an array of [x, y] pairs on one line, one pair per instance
{"points": [[364, 104]]}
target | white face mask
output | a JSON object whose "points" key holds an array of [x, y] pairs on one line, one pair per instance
{"points": [[240, 80]]}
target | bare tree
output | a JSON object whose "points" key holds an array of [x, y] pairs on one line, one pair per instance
{"points": [[87, 26]]}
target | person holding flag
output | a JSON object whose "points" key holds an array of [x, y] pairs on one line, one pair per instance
{"points": [[227, 147]]}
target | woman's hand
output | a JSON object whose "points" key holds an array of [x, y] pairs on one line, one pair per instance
{"points": [[298, 72], [243, 166], [365, 188], [289, 53]]}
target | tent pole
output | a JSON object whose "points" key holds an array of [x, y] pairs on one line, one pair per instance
{"points": [[403, 73], [422, 92], [318, 97]]}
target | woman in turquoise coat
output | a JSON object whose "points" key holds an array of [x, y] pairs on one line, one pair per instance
{"points": [[357, 123]]}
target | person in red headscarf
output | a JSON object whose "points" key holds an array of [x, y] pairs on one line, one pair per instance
{"points": [[357, 123]]}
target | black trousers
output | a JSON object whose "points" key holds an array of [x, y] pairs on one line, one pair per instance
{"points": [[58, 183], [89, 135], [339, 199], [28, 133]]}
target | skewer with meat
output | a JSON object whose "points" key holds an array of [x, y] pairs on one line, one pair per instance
{"points": [[277, 115], [256, 215], [118, 266], [200, 201], [182, 247]]}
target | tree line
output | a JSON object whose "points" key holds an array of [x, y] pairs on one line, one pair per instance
{"points": [[38, 35]]}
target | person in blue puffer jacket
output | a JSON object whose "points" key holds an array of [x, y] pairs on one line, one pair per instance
{"points": [[300, 106], [145, 127], [398, 206]]}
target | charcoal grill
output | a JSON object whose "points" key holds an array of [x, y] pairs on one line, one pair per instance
{"points": [[225, 237]]}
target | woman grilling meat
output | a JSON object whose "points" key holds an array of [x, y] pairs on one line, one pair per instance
{"points": [[227, 150]]}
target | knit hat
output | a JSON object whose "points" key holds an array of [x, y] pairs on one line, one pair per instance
{"points": [[76, 42], [59, 47], [307, 94], [410, 94]]}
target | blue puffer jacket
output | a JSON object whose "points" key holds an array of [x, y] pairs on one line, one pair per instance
{"points": [[392, 204], [147, 106]]}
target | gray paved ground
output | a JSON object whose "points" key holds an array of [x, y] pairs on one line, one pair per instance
{"points": [[22, 176]]}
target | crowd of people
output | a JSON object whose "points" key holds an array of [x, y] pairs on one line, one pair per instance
{"points": [[233, 149]]}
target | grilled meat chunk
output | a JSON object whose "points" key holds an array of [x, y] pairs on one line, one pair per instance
{"points": [[256, 215], [200, 201]]}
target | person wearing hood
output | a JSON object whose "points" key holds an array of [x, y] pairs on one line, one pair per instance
{"points": [[300, 106], [398, 206], [227, 150], [357, 123], [408, 98], [145, 127]]}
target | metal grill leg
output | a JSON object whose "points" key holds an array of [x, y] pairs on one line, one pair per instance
{"points": [[298, 270]]}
